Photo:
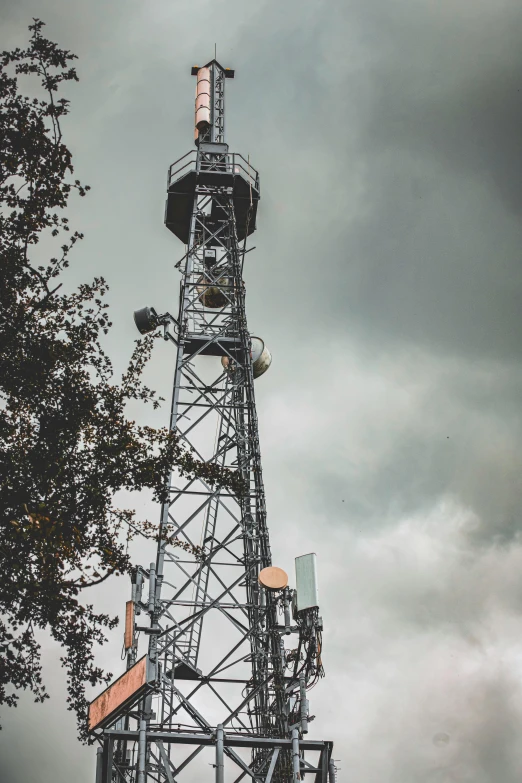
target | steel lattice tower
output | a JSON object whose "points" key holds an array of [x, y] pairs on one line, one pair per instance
{"points": [[217, 677]]}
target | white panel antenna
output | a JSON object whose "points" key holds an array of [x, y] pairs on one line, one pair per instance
{"points": [[306, 582]]}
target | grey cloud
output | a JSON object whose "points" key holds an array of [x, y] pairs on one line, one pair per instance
{"points": [[386, 282], [377, 437], [436, 261]]}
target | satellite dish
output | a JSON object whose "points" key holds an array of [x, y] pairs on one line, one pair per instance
{"points": [[260, 355], [273, 578]]}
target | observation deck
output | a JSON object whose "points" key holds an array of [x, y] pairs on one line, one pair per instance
{"points": [[211, 168]]}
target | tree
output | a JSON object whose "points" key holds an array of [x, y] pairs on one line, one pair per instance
{"points": [[66, 444]]}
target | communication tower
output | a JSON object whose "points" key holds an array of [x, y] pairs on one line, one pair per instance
{"points": [[221, 690]]}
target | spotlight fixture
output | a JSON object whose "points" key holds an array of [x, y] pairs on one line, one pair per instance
{"points": [[146, 320]]}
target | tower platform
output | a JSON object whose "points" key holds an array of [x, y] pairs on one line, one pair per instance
{"points": [[219, 169]]}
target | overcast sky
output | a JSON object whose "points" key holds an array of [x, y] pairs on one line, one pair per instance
{"points": [[387, 282]]}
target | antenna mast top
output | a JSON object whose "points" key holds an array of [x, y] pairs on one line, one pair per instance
{"points": [[210, 102]]}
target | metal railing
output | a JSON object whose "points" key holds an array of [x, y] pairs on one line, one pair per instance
{"points": [[232, 163]]}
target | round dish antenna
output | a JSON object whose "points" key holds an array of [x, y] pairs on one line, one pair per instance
{"points": [[273, 578]]}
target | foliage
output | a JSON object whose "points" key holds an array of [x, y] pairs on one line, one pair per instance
{"points": [[66, 444]]}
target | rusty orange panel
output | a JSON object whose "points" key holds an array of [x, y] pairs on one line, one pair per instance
{"points": [[128, 685], [129, 624]]}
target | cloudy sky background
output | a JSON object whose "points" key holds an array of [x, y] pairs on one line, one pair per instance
{"points": [[387, 282]]}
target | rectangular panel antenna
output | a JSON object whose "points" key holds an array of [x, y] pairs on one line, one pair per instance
{"points": [[125, 691], [306, 581]]}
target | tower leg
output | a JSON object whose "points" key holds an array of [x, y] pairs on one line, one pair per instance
{"points": [[106, 761], [142, 751], [296, 767], [99, 765], [220, 761]]}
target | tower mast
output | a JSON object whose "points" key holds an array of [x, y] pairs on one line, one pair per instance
{"points": [[217, 684]]}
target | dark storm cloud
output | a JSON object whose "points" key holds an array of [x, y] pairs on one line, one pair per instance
{"points": [[464, 107], [436, 261]]}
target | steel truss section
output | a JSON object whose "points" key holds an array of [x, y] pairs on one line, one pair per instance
{"points": [[221, 744], [224, 680]]}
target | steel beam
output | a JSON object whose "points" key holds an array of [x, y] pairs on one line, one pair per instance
{"points": [[229, 740]]}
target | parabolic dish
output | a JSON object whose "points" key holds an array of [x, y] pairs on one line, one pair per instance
{"points": [[273, 578]]}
